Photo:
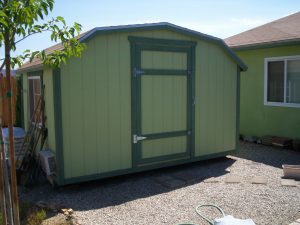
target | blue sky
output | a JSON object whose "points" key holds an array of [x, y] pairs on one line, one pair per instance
{"points": [[215, 17]]}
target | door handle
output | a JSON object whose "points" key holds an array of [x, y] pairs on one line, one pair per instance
{"points": [[137, 138]]}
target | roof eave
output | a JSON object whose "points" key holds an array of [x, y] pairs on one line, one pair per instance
{"points": [[271, 44], [30, 68]]}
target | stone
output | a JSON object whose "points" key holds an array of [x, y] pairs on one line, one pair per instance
{"points": [[53, 207], [228, 170], [41, 204], [288, 182], [233, 179], [79, 222], [259, 180], [250, 138], [70, 211]]}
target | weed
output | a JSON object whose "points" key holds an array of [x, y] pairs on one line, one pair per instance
{"points": [[36, 216]]}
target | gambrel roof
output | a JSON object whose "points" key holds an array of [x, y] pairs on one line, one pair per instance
{"points": [[37, 63]]}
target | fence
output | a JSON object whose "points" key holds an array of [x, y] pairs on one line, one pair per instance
{"points": [[4, 99]]}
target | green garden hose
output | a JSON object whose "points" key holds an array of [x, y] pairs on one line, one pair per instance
{"points": [[203, 216]]}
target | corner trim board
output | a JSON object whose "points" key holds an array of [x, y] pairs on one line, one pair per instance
{"points": [[58, 126], [238, 85]]}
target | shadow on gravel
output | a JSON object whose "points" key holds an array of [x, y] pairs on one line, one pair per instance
{"points": [[268, 155], [122, 189]]}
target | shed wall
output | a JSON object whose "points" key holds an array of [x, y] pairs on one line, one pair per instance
{"points": [[216, 100], [49, 109], [49, 101], [96, 103]]}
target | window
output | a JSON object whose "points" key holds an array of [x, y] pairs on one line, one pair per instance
{"points": [[282, 81], [34, 84]]}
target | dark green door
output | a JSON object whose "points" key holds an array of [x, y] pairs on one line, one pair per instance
{"points": [[162, 100]]}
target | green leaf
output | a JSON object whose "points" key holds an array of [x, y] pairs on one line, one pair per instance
{"points": [[61, 19], [22, 17]]}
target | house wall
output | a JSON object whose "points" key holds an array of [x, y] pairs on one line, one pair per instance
{"points": [[256, 118], [96, 103]]}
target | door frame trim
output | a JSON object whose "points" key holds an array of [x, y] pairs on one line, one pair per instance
{"points": [[137, 44]]}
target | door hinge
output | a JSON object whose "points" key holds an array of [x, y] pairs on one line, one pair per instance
{"points": [[137, 72], [137, 138]]}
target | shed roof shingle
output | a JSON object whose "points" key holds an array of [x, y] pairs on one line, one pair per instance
{"points": [[284, 30]]}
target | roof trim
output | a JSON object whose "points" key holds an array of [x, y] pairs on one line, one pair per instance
{"points": [[162, 25], [271, 44], [30, 68], [167, 26]]}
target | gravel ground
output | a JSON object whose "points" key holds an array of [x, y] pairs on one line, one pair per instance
{"points": [[141, 199]]}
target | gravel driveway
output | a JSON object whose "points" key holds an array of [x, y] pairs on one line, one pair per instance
{"points": [[150, 198]]}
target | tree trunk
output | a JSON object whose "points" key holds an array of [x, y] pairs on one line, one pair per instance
{"points": [[14, 191]]}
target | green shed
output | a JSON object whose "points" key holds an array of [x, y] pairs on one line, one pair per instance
{"points": [[140, 97]]}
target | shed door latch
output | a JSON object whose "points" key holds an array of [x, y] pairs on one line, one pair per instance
{"points": [[137, 138], [137, 72]]}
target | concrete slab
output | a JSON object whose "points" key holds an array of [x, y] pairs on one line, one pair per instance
{"points": [[173, 183], [188, 177], [288, 182], [162, 178], [211, 180], [259, 180], [233, 179], [294, 223]]}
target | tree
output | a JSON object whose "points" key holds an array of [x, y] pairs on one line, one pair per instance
{"points": [[20, 19]]}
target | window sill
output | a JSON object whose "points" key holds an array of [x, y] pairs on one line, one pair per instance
{"points": [[289, 105]]}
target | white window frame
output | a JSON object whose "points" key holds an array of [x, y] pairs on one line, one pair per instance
{"points": [[274, 59]]}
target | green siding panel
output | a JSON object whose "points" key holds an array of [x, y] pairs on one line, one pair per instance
{"points": [[163, 60], [96, 100], [162, 147], [49, 109], [99, 127], [163, 103], [256, 118], [215, 112]]}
